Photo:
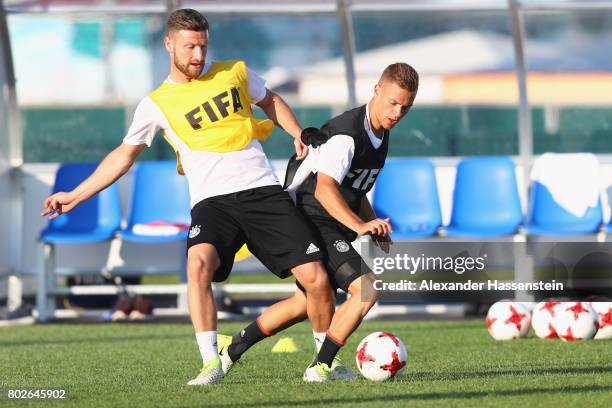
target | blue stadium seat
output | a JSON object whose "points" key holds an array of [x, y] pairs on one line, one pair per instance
{"points": [[546, 217], [159, 194], [406, 192], [486, 200], [94, 220]]}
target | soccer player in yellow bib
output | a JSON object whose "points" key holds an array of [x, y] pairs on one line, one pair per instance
{"points": [[204, 111]]}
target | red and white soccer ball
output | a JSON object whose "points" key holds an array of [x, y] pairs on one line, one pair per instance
{"points": [[542, 319], [575, 321], [508, 320], [381, 356], [604, 314]]}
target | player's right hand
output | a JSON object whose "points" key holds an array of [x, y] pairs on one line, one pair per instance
{"points": [[377, 227], [59, 203]]}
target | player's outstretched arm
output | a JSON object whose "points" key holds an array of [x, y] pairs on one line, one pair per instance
{"points": [[281, 114], [114, 165], [328, 194]]}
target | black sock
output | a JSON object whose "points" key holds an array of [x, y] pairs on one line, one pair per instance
{"points": [[244, 340], [328, 351]]}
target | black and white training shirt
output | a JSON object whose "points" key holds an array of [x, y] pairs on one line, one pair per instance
{"points": [[353, 156]]}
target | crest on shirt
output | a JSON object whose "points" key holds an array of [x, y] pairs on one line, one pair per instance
{"points": [[194, 231], [341, 245]]}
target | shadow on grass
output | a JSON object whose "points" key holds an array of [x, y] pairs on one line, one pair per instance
{"points": [[91, 340], [407, 397], [443, 325], [450, 376], [428, 377]]}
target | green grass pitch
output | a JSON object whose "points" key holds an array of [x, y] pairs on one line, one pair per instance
{"points": [[451, 363]]}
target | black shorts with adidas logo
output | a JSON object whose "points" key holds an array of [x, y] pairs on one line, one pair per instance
{"points": [[264, 218], [342, 262]]}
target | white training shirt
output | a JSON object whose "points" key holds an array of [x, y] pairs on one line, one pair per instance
{"points": [[334, 157], [208, 174]]}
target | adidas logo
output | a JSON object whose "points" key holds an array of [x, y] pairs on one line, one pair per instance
{"points": [[311, 249]]}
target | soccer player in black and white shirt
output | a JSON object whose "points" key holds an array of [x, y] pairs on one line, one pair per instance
{"points": [[330, 187]]}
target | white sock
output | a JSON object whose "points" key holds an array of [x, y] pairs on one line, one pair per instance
{"points": [[319, 338], [207, 343]]}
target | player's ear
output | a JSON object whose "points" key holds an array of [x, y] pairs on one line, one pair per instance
{"points": [[168, 43], [377, 89]]}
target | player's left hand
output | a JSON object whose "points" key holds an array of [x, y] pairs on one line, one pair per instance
{"points": [[301, 150]]}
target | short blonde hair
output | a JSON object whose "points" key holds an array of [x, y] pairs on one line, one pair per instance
{"points": [[403, 75]]}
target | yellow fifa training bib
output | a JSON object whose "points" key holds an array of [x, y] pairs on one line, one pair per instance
{"points": [[212, 113]]}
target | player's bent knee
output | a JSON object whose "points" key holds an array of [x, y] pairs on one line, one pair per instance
{"points": [[314, 279], [318, 285], [364, 304], [368, 291], [319, 289], [198, 272], [202, 264], [363, 288]]}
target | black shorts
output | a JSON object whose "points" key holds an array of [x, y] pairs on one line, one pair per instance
{"points": [[265, 219], [338, 251]]}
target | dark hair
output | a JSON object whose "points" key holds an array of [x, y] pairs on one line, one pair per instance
{"points": [[403, 75], [186, 19]]}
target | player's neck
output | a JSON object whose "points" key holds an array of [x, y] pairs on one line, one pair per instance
{"points": [[177, 77], [374, 122]]}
